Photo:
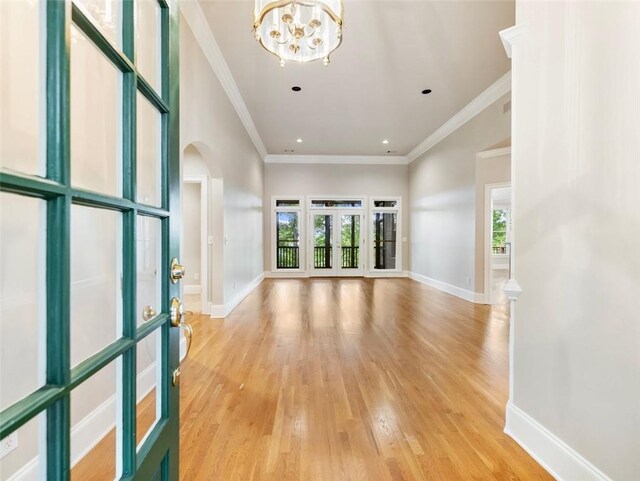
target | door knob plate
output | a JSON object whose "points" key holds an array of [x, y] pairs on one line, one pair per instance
{"points": [[176, 270]]}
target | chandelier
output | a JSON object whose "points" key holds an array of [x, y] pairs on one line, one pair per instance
{"points": [[299, 30]]}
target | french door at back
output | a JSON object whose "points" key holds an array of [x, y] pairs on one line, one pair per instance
{"points": [[336, 243]]}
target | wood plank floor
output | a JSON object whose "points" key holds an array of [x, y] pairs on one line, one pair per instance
{"points": [[349, 379]]}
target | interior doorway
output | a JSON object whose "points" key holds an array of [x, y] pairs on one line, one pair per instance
{"points": [[498, 241], [195, 241]]}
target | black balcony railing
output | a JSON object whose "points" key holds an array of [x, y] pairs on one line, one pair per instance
{"points": [[322, 257], [350, 257], [500, 249], [288, 256]]}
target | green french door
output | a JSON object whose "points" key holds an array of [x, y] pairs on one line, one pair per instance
{"points": [[89, 226]]}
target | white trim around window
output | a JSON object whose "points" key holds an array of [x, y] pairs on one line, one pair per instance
{"points": [[300, 210], [397, 209]]}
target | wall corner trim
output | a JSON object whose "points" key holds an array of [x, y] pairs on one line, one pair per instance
{"points": [[197, 21], [221, 311], [475, 297], [510, 36], [499, 88], [553, 454], [512, 290]]}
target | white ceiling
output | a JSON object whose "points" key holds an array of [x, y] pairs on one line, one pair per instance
{"points": [[392, 50]]}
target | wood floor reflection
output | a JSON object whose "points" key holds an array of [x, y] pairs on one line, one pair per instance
{"points": [[349, 379]]}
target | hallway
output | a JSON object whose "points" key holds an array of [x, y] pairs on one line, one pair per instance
{"points": [[352, 379]]}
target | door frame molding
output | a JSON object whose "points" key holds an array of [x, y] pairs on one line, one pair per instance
{"points": [[203, 180], [488, 230]]}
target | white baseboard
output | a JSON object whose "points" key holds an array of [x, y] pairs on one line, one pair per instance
{"points": [[220, 311], [553, 454], [380, 274], [87, 433], [192, 289], [286, 275], [475, 297]]}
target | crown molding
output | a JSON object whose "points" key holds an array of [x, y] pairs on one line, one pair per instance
{"points": [[493, 153], [473, 108], [510, 36], [195, 18], [336, 159]]}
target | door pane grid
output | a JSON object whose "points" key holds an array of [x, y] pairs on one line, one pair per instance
{"points": [[56, 190]]}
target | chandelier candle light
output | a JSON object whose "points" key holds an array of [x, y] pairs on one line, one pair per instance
{"points": [[299, 30]]}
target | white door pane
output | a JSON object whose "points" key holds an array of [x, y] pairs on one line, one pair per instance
{"points": [[95, 428], [95, 118], [106, 15], [148, 253], [148, 379], [27, 461], [21, 66], [147, 37], [148, 152], [22, 297], [96, 280]]}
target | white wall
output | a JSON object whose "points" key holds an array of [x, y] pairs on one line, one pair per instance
{"points": [[442, 192], [191, 238], [576, 154], [332, 179], [208, 119]]}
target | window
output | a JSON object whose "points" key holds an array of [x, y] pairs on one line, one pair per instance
{"points": [[287, 234], [385, 203], [315, 203], [288, 240], [288, 203], [500, 229], [385, 246]]}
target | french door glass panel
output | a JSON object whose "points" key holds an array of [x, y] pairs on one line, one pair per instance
{"points": [[149, 152], [95, 405], [323, 241], [288, 240], [20, 76], [96, 273], [149, 268], [30, 451], [148, 45], [107, 16], [95, 118], [148, 367], [21, 296], [384, 240], [350, 241]]}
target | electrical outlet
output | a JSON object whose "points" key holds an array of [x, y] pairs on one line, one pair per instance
{"points": [[8, 444], [235, 286], [196, 276], [210, 240], [468, 281]]}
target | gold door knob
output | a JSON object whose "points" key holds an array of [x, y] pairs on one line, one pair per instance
{"points": [[176, 270]]}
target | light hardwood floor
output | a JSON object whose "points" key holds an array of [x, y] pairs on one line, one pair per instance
{"points": [[344, 380], [350, 379]]}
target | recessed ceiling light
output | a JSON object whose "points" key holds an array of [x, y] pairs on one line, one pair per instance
{"points": [[299, 141], [295, 88], [426, 91], [385, 141]]}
